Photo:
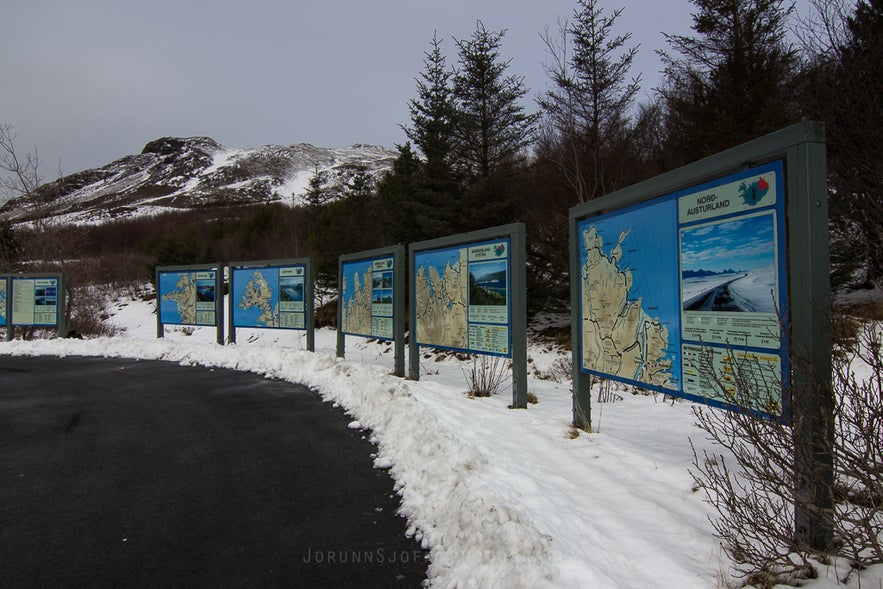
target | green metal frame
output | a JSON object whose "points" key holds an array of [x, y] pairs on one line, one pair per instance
{"points": [[518, 320], [398, 254], [218, 269], [309, 290]]}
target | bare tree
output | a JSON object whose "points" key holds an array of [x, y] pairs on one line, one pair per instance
{"points": [[21, 177], [44, 244]]}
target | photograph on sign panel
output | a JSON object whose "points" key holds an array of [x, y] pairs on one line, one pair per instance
{"points": [[205, 291], [381, 297], [292, 288], [730, 266], [382, 280], [488, 283]]}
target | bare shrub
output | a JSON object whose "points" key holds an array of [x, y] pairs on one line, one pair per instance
{"points": [[487, 375], [608, 391], [858, 451], [755, 484], [88, 313], [561, 370]]}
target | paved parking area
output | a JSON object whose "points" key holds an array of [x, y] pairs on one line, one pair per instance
{"points": [[125, 473]]}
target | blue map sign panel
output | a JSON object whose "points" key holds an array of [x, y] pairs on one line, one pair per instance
{"points": [[187, 297], [679, 289], [268, 296], [3, 282], [367, 295], [34, 301], [463, 297]]}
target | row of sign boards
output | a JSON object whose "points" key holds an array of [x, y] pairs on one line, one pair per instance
{"points": [[467, 294], [682, 284], [32, 300], [270, 294]]}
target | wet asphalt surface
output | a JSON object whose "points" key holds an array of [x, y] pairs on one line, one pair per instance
{"points": [[125, 473]]}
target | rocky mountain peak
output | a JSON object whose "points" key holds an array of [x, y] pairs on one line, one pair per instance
{"points": [[186, 172]]}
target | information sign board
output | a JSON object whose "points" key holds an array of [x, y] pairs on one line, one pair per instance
{"points": [[681, 289], [187, 297], [35, 301], [368, 297], [3, 282], [269, 296], [462, 297]]}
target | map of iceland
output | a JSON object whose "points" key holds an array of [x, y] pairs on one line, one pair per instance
{"points": [[178, 297], [629, 299], [356, 311], [259, 295], [441, 298]]}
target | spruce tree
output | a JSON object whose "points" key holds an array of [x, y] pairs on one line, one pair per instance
{"points": [[586, 111], [491, 126], [842, 86], [432, 113], [730, 82]]}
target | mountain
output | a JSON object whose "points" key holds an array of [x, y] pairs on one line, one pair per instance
{"points": [[182, 173], [700, 273]]}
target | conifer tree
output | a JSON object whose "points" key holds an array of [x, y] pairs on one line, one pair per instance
{"points": [[491, 126], [432, 113], [587, 110], [730, 82], [842, 86]]}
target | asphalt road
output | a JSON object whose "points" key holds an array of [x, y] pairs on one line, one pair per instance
{"points": [[125, 473]]}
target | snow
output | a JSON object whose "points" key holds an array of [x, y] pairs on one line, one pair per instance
{"points": [[500, 497], [756, 289]]}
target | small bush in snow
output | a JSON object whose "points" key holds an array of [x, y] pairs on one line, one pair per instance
{"points": [[487, 375]]}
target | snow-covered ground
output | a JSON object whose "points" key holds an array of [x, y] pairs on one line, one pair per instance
{"points": [[501, 498], [756, 290]]}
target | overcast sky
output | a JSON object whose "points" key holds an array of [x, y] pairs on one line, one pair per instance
{"points": [[89, 81]]}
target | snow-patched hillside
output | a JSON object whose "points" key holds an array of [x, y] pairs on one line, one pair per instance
{"points": [[502, 498], [176, 173]]}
